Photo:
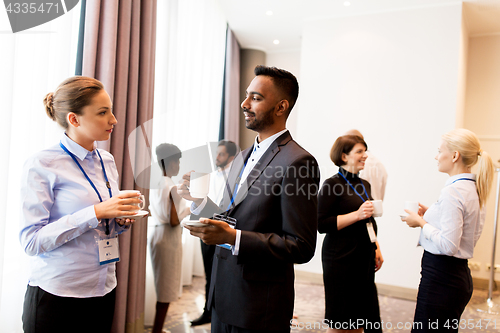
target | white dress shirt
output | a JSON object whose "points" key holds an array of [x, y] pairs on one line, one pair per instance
{"points": [[455, 222], [374, 172], [218, 180], [59, 228], [258, 150]]}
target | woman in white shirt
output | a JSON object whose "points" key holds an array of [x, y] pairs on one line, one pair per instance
{"points": [[450, 230], [69, 221], [167, 210]]}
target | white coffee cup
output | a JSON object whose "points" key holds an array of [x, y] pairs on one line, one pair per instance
{"points": [[412, 206], [139, 205], [378, 209], [199, 184]]}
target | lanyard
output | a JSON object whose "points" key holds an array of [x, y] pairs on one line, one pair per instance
{"points": [[359, 195], [90, 181], [456, 180]]}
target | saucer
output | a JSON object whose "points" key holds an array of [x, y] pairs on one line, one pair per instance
{"points": [[193, 223], [140, 213]]}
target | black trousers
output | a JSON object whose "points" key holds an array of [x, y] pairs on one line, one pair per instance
{"points": [[207, 252], [444, 291], [47, 313], [220, 327]]}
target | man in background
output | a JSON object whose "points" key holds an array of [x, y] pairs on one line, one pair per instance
{"points": [[226, 151], [374, 171]]}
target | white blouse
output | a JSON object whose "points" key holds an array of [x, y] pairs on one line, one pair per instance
{"points": [[455, 221]]}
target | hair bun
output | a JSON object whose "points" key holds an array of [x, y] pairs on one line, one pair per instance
{"points": [[48, 102]]}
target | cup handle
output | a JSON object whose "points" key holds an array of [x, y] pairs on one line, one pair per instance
{"points": [[141, 205]]}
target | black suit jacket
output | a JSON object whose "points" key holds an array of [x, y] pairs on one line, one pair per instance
{"points": [[277, 214]]}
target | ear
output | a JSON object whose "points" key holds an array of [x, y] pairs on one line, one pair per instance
{"points": [[456, 156], [344, 157], [282, 107], [72, 119]]}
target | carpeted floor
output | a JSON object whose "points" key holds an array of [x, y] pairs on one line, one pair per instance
{"points": [[309, 306]]}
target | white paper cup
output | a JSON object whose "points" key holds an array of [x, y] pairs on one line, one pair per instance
{"points": [[412, 206], [140, 206], [378, 209], [199, 184]]}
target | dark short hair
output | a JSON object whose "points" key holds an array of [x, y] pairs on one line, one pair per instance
{"points": [[285, 81], [166, 153], [343, 145], [230, 147]]}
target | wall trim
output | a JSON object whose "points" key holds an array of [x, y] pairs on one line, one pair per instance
{"points": [[489, 137], [486, 34]]}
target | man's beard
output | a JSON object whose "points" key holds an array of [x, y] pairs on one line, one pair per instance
{"points": [[222, 164], [260, 124]]}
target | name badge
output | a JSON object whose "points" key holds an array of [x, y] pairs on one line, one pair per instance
{"points": [[108, 250], [229, 220], [371, 232]]}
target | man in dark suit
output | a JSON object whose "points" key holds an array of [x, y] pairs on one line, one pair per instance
{"points": [[271, 193]]}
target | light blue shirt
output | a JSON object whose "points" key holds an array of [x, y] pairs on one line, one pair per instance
{"points": [[455, 221], [59, 228]]}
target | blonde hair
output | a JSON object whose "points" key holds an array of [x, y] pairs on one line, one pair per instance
{"points": [[72, 95], [467, 144]]}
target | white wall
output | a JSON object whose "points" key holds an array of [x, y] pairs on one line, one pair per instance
{"points": [[289, 60], [482, 116], [393, 76]]}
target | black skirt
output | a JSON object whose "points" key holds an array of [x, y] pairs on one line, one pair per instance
{"points": [[444, 291]]}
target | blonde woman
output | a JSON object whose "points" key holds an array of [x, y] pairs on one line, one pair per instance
{"points": [[450, 230]]}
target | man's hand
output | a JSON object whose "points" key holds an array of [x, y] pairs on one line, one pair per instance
{"points": [[215, 232]]}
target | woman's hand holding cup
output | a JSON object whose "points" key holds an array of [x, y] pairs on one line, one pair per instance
{"points": [[365, 211], [422, 209], [183, 189], [125, 203]]}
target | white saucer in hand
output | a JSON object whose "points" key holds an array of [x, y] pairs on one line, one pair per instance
{"points": [[193, 223], [140, 213]]}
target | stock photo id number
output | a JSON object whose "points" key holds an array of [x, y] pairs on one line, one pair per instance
{"points": [[24, 15]]}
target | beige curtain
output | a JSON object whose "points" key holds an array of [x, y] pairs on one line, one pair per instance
{"points": [[119, 50]]}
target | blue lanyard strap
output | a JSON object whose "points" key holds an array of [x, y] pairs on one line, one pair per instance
{"points": [[456, 180], [89, 180], [359, 195]]}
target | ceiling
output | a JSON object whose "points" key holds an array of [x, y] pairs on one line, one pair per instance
{"points": [[255, 29]]}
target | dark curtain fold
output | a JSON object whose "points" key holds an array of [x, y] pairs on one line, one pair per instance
{"points": [[222, 121], [119, 50], [231, 103], [81, 38]]}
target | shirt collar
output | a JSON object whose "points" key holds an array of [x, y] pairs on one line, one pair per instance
{"points": [[460, 175], [75, 148], [264, 145]]}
